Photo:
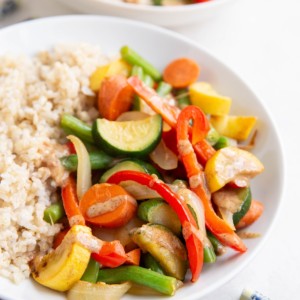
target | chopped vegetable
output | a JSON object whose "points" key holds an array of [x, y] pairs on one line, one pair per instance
{"points": [[84, 174], [54, 212], [72, 125], [235, 127], [189, 226], [163, 88], [161, 283], [181, 72], [255, 211], [98, 160], [229, 164], [133, 257], [107, 205], [203, 95], [164, 246], [64, 266], [150, 263], [134, 58], [128, 138], [83, 290], [91, 272], [70, 202], [157, 211], [115, 97], [111, 254], [196, 175]]}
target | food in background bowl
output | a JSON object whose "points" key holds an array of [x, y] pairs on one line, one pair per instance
{"points": [[163, 2], [71, 76]]}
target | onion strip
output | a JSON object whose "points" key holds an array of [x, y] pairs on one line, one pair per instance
{"points": [[84, 170]]}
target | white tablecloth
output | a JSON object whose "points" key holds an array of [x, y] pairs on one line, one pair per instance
{"points": [[260, 40]]}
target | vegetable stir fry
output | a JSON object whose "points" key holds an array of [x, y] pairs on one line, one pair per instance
{"points": [[158, 185]]}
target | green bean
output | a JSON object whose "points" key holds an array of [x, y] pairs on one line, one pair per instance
{"points": [[137, 71], [134, 58], [91, 272], [72, 125], [148, 80], [183, 98], [209, 255], [157, 2], [163, 88], [212, 136], [222, 143], [152, 264], [99, 160], [54, 212], [218, 247], [161, 283]]}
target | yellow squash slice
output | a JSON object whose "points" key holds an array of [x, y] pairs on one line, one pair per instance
{"points": [[231, 164], [64, 266], [203, 95]]}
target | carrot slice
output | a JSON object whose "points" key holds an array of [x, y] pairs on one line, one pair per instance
{"points": [[133, 257], [115, 97], [255, 211], [181, 72], [107, 205]]}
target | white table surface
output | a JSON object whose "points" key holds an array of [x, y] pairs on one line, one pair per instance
{"points": [[260, 40]]}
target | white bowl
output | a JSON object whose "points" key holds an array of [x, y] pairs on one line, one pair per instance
{"points": [[170, 16], [160, 46]]}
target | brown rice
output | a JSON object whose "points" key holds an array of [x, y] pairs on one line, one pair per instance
{"points": [[34, 93]]}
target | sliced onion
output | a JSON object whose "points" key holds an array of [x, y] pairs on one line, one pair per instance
{"points": [[84, 171], [138, 191], [83, 290], [164, 157], [227, 216], [194, 202]]}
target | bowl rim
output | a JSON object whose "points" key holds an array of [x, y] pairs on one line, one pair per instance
{"points": [[186, 40]]}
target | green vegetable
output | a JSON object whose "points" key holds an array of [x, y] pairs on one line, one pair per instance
{"points": [[128, 138], [91, 271], [137, 71], [134, 58], [54, 212], [222, 143], [218, 247], [148, 80], [161, 283], [127, 164], [99, 160], [163, 88], [157, 211], [150, 263], [183, 98], [212, 136], [164, 246], [209, 255], [72, 125], [245, 195]]}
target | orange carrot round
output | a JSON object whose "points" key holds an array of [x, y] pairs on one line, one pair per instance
{"points": [[114, 97], [255, 211], [107, 205], [181, 72]]}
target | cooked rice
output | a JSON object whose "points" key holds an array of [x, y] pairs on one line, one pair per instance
{"points": [[34, 93]]}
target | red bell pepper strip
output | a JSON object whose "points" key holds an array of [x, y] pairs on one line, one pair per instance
{"points": [[111, 255], [191, 234], [196, 175], [157, 103], [70, 202], [169, 113]]}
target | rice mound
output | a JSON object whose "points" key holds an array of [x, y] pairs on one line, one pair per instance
{"points": [[34, 93]]}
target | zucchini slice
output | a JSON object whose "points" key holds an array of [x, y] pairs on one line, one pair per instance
{"points": [[164, 246], [130, 138], [133, 164], [157, 211], [245, 194]]}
